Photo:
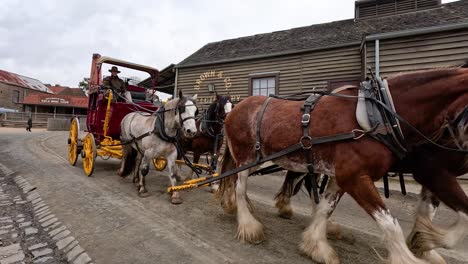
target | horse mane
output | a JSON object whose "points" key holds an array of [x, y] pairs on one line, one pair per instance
{"points": [[172, 104], [425, 75], [465, 64], [212, 106]]}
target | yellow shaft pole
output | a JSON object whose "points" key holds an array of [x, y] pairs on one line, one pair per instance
{"points": [[108, 113], [104, 152]]}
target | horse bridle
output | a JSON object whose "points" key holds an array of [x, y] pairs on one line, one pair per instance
{"points": [[219, 119], [181, 109]]}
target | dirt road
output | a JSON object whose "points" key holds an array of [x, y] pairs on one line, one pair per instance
{"points": [[114, 225]]}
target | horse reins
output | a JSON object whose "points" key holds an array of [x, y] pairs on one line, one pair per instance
{"points": [[396, 115]]}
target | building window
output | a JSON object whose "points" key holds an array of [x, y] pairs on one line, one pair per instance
{"points": [[15, 97], [264, 84]]}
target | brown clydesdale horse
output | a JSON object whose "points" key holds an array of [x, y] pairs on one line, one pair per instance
{"points": [[426, 99], [210, 130]]}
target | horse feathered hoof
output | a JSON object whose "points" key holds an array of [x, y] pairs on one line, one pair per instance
{"points": [[176, 199], [143, 194], [251, 231], [214, 187], [334, 230]]}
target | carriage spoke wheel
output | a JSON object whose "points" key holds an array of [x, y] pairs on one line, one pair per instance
{"points": [[73, 142], [89, 154]]}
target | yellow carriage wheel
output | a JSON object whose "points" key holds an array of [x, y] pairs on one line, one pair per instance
{"points": [[160, 163], [73, 141], [89, 154]]}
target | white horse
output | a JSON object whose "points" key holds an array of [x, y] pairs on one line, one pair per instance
{"points": [[146, 137]]}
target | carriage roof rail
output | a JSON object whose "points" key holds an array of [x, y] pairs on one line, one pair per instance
{"points": [[105, 59]]}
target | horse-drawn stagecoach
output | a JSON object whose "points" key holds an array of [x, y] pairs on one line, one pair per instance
{"points": [[105, 112]]}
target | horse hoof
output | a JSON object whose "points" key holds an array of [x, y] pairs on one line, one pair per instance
{"points": [[214, 188], [334, 230], [176, 200], [144, 194], [286, 214]]}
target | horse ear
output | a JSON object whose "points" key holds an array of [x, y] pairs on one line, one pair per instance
{"points": [[218, 96], [180, 94], [195, 97]]}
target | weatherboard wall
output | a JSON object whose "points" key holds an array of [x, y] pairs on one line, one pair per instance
{"points": [[295, 73], [421, 52], [329, 68]]}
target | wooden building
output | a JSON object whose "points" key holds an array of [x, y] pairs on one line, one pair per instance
{"points": [[390, 36]]}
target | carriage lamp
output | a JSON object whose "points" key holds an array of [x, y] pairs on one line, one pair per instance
{"points": [[211, 88], [160, 163]]}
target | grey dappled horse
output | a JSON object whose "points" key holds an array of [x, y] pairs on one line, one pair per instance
{"points": [[146, 137]]}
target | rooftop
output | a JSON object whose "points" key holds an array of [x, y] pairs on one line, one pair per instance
{"points": [[321, 36], [23, 81], [65, 90]]}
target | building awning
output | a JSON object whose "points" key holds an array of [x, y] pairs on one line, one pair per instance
{"points": [[56, 100], [165, 81]]}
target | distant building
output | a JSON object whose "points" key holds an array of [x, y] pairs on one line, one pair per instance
{"points": [[14, 88], [64, 100], [26, 94]]}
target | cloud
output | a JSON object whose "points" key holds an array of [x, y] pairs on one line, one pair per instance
{"points": [[53, 40]]}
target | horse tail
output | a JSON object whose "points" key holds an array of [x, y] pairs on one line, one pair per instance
{"points": [[227, 186], [291, 185], [129, 160], [129, 154]]}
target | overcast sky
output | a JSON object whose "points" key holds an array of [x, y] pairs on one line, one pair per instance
{"points": [[53, 40]]}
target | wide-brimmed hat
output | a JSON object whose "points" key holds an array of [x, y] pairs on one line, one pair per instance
{"points": [[114, 69]]}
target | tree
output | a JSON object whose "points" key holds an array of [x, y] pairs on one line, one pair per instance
{"points": [[84, 84]]}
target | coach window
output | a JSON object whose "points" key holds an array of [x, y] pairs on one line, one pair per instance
{"points": [[263, 84], [15, 96]]}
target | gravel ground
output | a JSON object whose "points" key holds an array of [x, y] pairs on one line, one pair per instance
{"points": [[114, 225]]}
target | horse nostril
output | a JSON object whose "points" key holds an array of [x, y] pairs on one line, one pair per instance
{"points": [[189, 131]]}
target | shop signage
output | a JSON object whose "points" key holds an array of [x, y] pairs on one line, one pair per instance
{"points": [[54, 101]]}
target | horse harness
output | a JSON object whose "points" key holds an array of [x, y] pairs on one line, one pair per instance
{"points": [[206, 128], [159, 126], [458, 122], [385, 127], [305, 142]]}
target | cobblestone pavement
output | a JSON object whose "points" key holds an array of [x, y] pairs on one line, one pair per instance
{"points": [[29, 231]]}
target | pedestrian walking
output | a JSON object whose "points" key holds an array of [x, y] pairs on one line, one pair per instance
{"points": [[28, 128]]}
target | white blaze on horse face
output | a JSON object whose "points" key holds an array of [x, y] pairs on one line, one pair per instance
{"points": [[227, 107], [189, 125]]}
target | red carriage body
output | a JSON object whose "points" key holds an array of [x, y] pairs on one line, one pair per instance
{"points": [[105, 115], [98, 103]]}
